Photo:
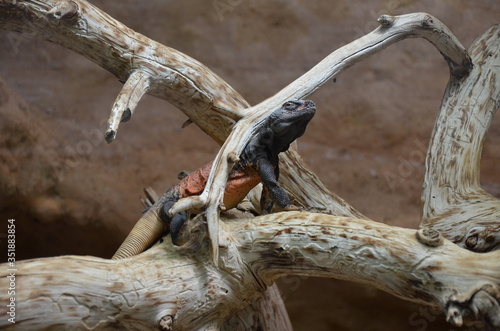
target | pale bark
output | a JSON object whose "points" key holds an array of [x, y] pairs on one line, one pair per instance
{"points": [[453, 201], [167, 286], [392, 29], [182, 283], [160, 71]]}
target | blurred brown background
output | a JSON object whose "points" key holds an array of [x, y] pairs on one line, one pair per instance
{"points": [[71, 193]]}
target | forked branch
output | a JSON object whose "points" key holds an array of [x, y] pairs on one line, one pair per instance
{"points": [[163, 284], [392, 29], [172, 75], [203, 96]]}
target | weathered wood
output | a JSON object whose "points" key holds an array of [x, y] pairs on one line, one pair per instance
{"points": [[182, 283], [203, 96], [453, 201], [428, 270], [179, 79], [392, 29], [179, 288], [173, 76]]}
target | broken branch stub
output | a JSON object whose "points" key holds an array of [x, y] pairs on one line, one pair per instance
{"points": [[173, 76], [133, 90]]}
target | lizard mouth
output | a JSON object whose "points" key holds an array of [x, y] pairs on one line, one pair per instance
{"points": [[299, 106], [308, 107], [309, 104]]}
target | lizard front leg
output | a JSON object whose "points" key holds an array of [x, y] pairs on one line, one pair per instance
{"points": [[270, 181]]}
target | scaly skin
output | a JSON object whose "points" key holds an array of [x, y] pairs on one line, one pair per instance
{"points": [[258, 163]]}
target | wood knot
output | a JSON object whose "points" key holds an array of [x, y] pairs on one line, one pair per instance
{"points": [[471, 242], [126, 115], [483, 301], [64, 10], [430, 237], [454, 315], [233, 158], [166, 323], [427, 22], [386, 20]]}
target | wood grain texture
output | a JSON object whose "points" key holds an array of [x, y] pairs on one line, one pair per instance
{"points": [[453, 201], [181, 283], [173, 288]]}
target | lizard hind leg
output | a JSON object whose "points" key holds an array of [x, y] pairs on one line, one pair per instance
{"points": [[178, 221], [175, 222]]}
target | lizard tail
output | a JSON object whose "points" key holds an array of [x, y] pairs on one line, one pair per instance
{"points": [[145, 232]]}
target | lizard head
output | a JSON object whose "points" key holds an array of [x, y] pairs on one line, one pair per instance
{"points": [[289, 122]]}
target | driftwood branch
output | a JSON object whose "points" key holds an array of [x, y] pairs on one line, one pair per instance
{"points": [[172, 75], [453, 201], [203, 96], [171, 288], [392, 29], [172, 283]]}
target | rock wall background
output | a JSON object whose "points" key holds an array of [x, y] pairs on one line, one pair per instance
{"points": [[71, 193]]}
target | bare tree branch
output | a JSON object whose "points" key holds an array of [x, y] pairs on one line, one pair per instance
{"points": [[392, 29], [182, 284], [133, 90], [173, 76], [453, 201], [171, 288], [179, 79]]}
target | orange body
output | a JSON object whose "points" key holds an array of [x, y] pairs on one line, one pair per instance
{"points": [[237, 187]]}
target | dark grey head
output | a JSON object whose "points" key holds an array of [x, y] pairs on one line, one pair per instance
{"points": [[289, 122]]}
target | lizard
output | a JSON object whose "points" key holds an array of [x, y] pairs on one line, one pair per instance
{"points": [[257, 163]]}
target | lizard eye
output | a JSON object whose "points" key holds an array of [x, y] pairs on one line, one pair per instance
{"points": [[289, 105]]}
